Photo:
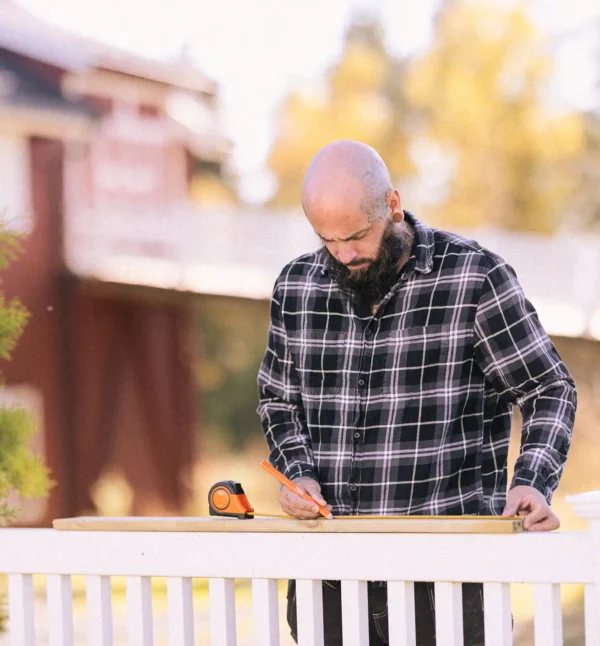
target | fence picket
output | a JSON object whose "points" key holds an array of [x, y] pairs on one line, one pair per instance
{"points": [[265, 607], [309, 601], [548, 615], [592, 612], [139, 610], [401, 613], [99, 610], [222, 612], [355, 617], [181, 611], [60, 610], [497, 616], [448, 614], [20, 609]]}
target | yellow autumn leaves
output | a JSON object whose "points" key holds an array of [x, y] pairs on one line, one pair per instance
{"points": [[467, 127]]}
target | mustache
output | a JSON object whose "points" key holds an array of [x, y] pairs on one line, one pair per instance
{"points": [[360, 261]]}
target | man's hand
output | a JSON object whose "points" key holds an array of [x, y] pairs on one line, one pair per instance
{"points": [[293, 505], [539, 518]]}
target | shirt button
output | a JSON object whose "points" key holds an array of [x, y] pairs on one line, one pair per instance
{"points": [[368, 332], [357, 435], [361, 382], [352, 487]]}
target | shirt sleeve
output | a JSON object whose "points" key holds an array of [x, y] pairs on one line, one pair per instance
{"points": [[280, 404], [521, 363]]}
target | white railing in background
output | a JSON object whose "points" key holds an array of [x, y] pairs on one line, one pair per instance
{"points": [[240, 253], [545, 560]]}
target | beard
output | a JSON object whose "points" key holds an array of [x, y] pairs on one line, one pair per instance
{"points": [[369, 285]]}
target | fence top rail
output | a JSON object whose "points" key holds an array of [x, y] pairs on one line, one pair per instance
{"points": [[346, 525], [537, 557]]}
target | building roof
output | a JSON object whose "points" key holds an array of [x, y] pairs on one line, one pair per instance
{"points": [[24, 33]]}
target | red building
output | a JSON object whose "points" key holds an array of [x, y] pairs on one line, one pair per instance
{"points": [[97, 149]]}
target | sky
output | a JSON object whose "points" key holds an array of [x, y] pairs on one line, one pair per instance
{"points": [[258, 51]]}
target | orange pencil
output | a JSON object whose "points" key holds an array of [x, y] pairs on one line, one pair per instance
{"points": [[294, 488]]}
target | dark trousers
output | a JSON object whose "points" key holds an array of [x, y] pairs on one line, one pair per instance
{"points": [[378, 614]]}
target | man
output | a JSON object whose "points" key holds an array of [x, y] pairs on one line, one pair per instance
{"points": [[395, 355]]}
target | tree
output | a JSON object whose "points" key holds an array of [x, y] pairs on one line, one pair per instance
{"points": [[508, 159], [362, 97], [587, 201], [229, 356], [20, 471]]}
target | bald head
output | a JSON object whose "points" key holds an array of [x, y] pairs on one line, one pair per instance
{"points": [[346, 175]]}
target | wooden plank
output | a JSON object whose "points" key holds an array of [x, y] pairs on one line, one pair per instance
{"points": [[401, 613], [309, 605], [181, 611], [265, 606], [222, 612], [592, 615], [99, 610], [139, 610], [355, 524], [548, 615], [448, 614], [20, 609], [355, 617], [60, 610], [497, 616]]}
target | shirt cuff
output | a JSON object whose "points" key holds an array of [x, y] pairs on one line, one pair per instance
{"points": [[529, 478]]}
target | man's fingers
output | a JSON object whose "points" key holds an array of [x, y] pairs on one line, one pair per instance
{"points": [[296, 506], [548, 524], [297, 502], [541, 518], [511, 509], [516, 501], [300, 513], [306, 515], [318, 498], [314, 491]]}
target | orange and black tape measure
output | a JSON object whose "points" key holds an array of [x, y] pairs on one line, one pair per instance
{"points": [[227, 498]]}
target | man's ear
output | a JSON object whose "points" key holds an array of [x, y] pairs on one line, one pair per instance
{"points": [[395, 204]]}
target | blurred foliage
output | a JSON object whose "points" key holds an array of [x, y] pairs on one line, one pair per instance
{"points": [[587, 204], [481, 87], [211, 185], [211, 190], [468, 122], [362, 97], [232, 338], [20, 471]]}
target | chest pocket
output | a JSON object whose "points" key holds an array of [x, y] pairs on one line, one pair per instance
{"points": [[320, 358], [413, 359]]}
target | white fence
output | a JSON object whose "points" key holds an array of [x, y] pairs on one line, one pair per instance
{"points": [[545, 560]]}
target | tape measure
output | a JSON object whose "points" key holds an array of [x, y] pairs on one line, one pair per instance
{"points": [[227, 498]]}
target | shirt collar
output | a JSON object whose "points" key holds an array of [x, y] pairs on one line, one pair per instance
{"points": [[421, 259], [423, 244]]}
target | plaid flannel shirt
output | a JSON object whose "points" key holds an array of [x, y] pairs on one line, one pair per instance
{"points": [[408, 410]]}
